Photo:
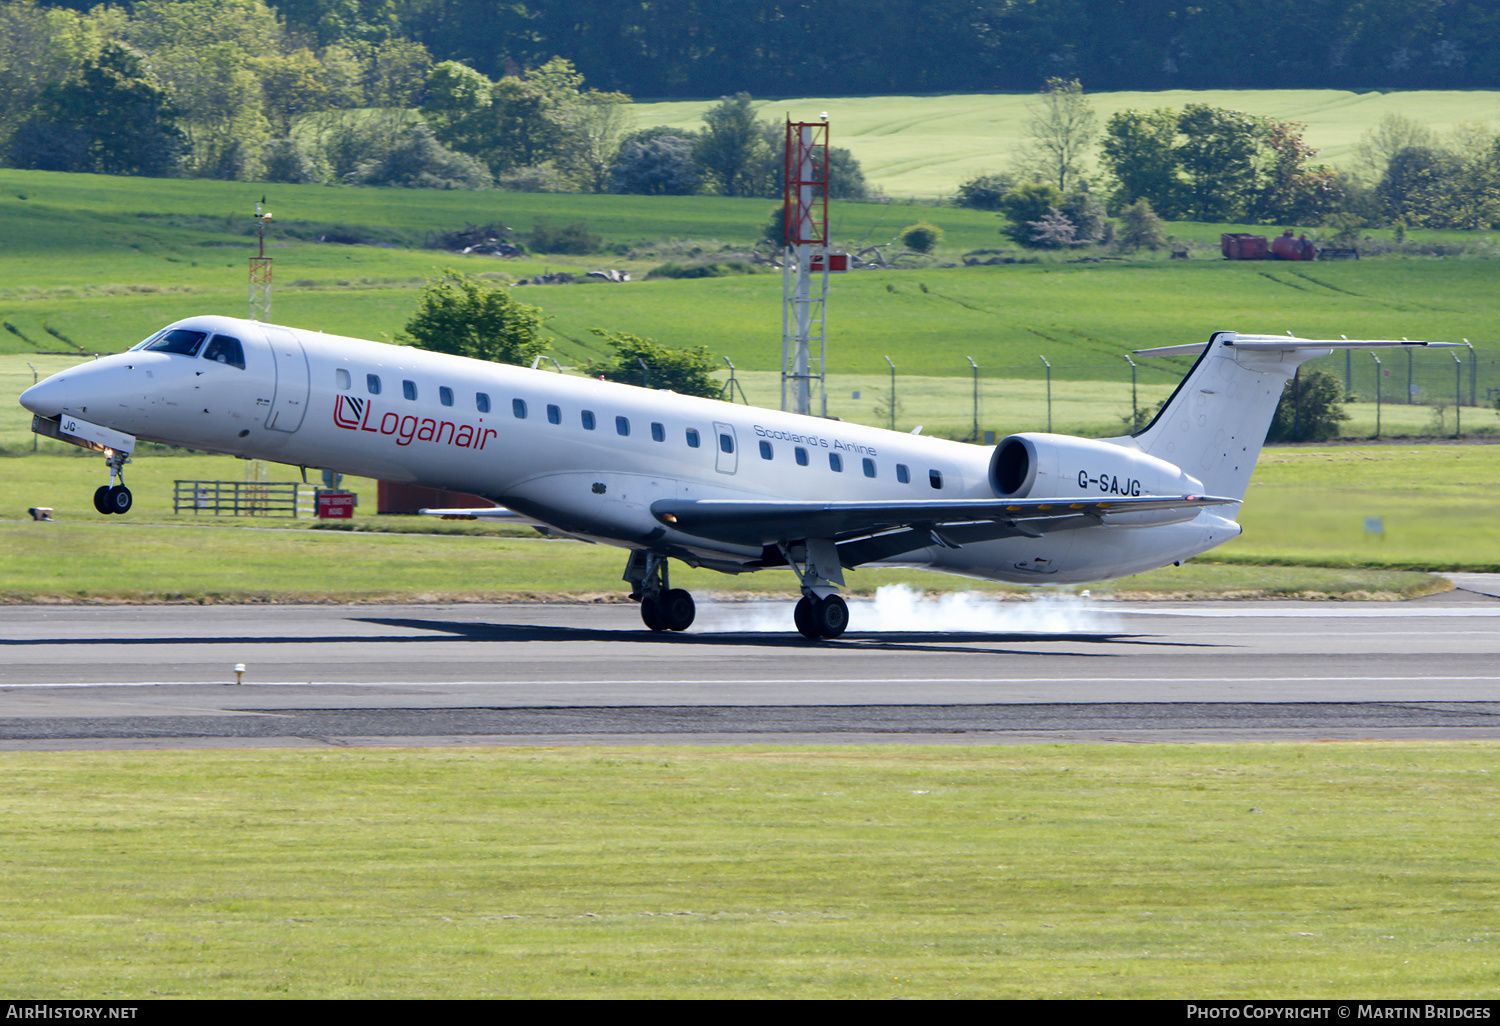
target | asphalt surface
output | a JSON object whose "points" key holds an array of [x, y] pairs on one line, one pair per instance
{"points": [[79, 677]]}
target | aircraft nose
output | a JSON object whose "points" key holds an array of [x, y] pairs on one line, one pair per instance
{"points": [[46, 398]]}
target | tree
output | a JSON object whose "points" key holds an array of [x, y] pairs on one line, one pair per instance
{"points": [[1026, 204], [1288, 190], [983, 192], [39, 47], [466, 316], [1060, 129], [1139, 148], [730, 146], [1217, 158], [204, 52], [112, 120], [1310, 409], [419, 161], [921, 237], [656, 163], [1140, 228], [1380, 144], [287, 161], [595, 122], [684, 371]]}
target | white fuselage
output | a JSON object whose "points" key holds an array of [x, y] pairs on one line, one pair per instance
{"points": [[585, 457]]}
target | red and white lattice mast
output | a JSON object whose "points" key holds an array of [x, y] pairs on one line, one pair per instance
{"points": [[260, 271], [804, 319]]}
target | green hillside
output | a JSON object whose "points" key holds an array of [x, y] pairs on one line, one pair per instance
{"points": [[923, 146], [94, 264]]}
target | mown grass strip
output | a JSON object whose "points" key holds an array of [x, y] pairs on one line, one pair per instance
{"points": [[1227, 871]]}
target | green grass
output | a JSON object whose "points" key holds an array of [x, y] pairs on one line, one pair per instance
{"points": [[1216, 871], [1436, 504], [1306, 509], [923, 146]]}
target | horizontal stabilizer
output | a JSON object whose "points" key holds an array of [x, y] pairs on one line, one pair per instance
{"points": [[1287, 343], [769, 522]]}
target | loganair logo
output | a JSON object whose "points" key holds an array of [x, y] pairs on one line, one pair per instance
{"points": [[359, 415]]}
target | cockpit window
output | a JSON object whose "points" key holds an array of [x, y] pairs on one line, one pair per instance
{"points": [[147, 341], [224, 349], [181, 341]]}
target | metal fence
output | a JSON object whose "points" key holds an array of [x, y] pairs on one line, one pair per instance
{"points": [[242, 498]]}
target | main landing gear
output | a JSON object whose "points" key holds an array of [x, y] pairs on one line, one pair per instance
{"points": [[113, 497], [663, 608], [820, 613], [819, 618]]}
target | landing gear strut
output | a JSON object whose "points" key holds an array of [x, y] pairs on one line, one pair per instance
{"points": [[663, 608], [820, 613], [114, 498]]}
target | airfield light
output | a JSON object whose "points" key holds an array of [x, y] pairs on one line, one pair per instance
{"points": [[239, 673]]}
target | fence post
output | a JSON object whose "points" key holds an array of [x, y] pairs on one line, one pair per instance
{"points": [[892, 366], [976, 395], [1049, 392]]}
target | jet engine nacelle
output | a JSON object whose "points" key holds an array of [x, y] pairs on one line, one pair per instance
{"points": [[1043, 466]]}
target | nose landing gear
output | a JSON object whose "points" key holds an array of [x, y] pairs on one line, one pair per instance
{"points": [[113, 497]]}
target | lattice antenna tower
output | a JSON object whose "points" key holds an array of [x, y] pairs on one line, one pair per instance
{"points": [[804, 317], [260, 270]]}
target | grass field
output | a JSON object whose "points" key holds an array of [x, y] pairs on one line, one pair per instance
{"points": [[1077, 871], [1306, 511], [923, 146]]}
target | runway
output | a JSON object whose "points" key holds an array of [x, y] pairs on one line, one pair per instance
{"points": [[1062, 670]]}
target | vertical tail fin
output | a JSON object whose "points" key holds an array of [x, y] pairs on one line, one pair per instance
{"points": [[1214, 425]]}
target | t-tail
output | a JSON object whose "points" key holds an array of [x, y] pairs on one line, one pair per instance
{"points": [[1214, 425]]}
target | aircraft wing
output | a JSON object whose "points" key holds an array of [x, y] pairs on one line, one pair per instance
{"points": [[769, 522]]}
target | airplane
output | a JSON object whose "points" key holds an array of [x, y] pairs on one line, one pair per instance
{"points": [[711, 484]]}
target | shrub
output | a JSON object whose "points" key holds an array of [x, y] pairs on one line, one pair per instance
{"points": [[575, 238], [921, 237]]}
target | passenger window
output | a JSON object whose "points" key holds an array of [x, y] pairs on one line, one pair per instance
{"points": [[658, 432], [692, 438], [482, 402], [869, 465], [554, 414], [226, 350], [409, 389], [179, 341], [588, 420], [341, 379], [902, 474], [372, 384], [836, 463], [935, 478], [445, 395], [518, 407], [801, 455], [765, 450], [726, 443], [622, 426]]}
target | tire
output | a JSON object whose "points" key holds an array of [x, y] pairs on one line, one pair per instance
{"points": [[101, 500], [802, 616], [651, 615], [831, 615], [119, 499], [678, 610]]}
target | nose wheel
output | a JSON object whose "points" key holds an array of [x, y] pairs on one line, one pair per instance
{"points": [[114, 497]]}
